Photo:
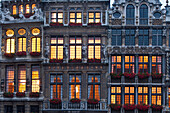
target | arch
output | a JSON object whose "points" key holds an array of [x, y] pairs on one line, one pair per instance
{"points": [[144, 14], [130, 14]]}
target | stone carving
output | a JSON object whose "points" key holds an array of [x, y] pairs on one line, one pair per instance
{"points": [[21, 16], [66, 51], [5, 15], [84, 53], [38, 14], [164, 32], [104, 52], [46, 50]]}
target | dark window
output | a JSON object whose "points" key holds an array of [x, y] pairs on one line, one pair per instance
{"points": [[156, 95], [156, 64], [130, 37], [21, 109], [143, 37], [129, 95], [143, 95], [34, 109], [8, 109], [116, 64], [94, 86], [130, 14], [143, 64], [75, 86], [130, 64], [157, 37], [116, 95], [116, 14], [10, 79], [56, 86], [116, 37], [143, 14], [157, 15]]}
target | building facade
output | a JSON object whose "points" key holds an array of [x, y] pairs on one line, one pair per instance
{"points": [[75, 56]]}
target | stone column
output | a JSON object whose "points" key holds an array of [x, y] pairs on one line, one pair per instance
{"points": [[27, 107], [123, 37], [65, 85], [137, 37], [2, 77], [150, 37], [84, 85], [84, 48], [28, 77], [103, 86]]}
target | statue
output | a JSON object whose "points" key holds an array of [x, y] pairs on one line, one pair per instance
{"points": [[7, 14], [21, 16], [65, 51], [84, 48], [38, 14], [2, 17]]}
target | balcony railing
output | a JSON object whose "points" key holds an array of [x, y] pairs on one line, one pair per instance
{"points": [[102, 106]]}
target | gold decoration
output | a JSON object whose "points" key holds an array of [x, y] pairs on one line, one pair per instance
{"points": [[10, 33], [21, 31], [35, 31]]}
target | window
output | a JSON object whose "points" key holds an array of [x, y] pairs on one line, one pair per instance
{"points": [[35, 44], [116, 64], [21, 44], [20, 109], [35, 78], [34, 108], [57, 17], [33, 7], [21, 78], [10, 45], [157, 15], [156, 64], [129, 95], [115, 95], [75, 48], [156, 95], [143, 14], [130, 37], [35, 31], [10, 79], [56, 47], [14, 9], [169, 37], [75, 18], [94, 86], [143, 64], [157, 37], [130, 14], [116, 15], [56, 86], [143, 37], [8, 109], [27, 10], [21, 9], [94, 48], [94, 17], [116, 37], [75, 86], [143, 95], [130, 64], [169, 96]]}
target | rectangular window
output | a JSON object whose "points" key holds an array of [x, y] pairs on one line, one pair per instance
{"points": [[94, 17], [21, 44], [22, 78], [143, 95], [130, 37], [56, 47], [157, 95], [156, 64], [34, 108], [35, 78], [57, 17], [94, 48], [8, 109], [129, 95], [130, 64], [21, 9], [20, 109], [75, 17], [36, 44], [143, 64], [14, 9], [157, 37], [143, 37], [75, 48], [116, 64], [116, 37], [115, 95], [10, 45], [75, 86], [27, 10], [56, 86], [10, 79], [94, 86]]}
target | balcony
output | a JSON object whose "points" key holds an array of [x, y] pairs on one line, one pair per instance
{"points": [[102, 106]]}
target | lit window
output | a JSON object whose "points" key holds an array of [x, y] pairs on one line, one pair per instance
{"points": [[57, 17], [33, 7], [143, 64], [94, 48], [116, 64], [156, 95], [94, 86], [156, 64], [75, 18], [27, 9], [115, 95], [143, 37], [35, 44], [129, 95], [157, 37], [94, 17], [56, 48], [35, 79], [143, 14], [21, 10], [56, 86], [10, 45], [35, 31], [143, 95], [75, 48], [75, 86], [130, 64], [130, 14], [14, 9], [21, 78], [21, 44], [10, 79], [9, 33]]}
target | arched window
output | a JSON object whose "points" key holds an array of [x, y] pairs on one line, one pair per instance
{"points": [[143, 14], [14, 9], [21, 9], [130, 14], [33, 6], [27, 9]]}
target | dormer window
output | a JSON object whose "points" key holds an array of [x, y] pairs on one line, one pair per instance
{"points": [[143, 14], [130, 14]]}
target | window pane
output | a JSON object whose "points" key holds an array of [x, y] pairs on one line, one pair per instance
{"points": [[72, 52], [35, 79], [27, 8], [90, 52], [60, 52], [10, 79], [22, 78], [53, 52], [14, 9]]}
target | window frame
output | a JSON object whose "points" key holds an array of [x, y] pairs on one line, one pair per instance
{"points": [[129, 94], [159, 42], [75, 19], [116, 63], [94, 18], [130, 14], [156, 94], [143, 63], [157, 63], [116, 36], [22, 44], [129, 63], [10, 45], [116, 94], [142, 37], [143, 94], [57, 16], [11, 67], [130, 37], [142, 19], [22, 79], [36, 66], [36, 44]]}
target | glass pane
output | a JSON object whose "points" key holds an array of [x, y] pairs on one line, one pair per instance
{"points": [[97, 52], [53, 15], [60, 15], [78, 15], [90, 52], [53, 52], [97, 15], [27, 8], [72, 15], [72, 52], [60, 52], [91, 15]]}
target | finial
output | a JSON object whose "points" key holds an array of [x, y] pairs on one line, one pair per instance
{"points": [[167, 2]]}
